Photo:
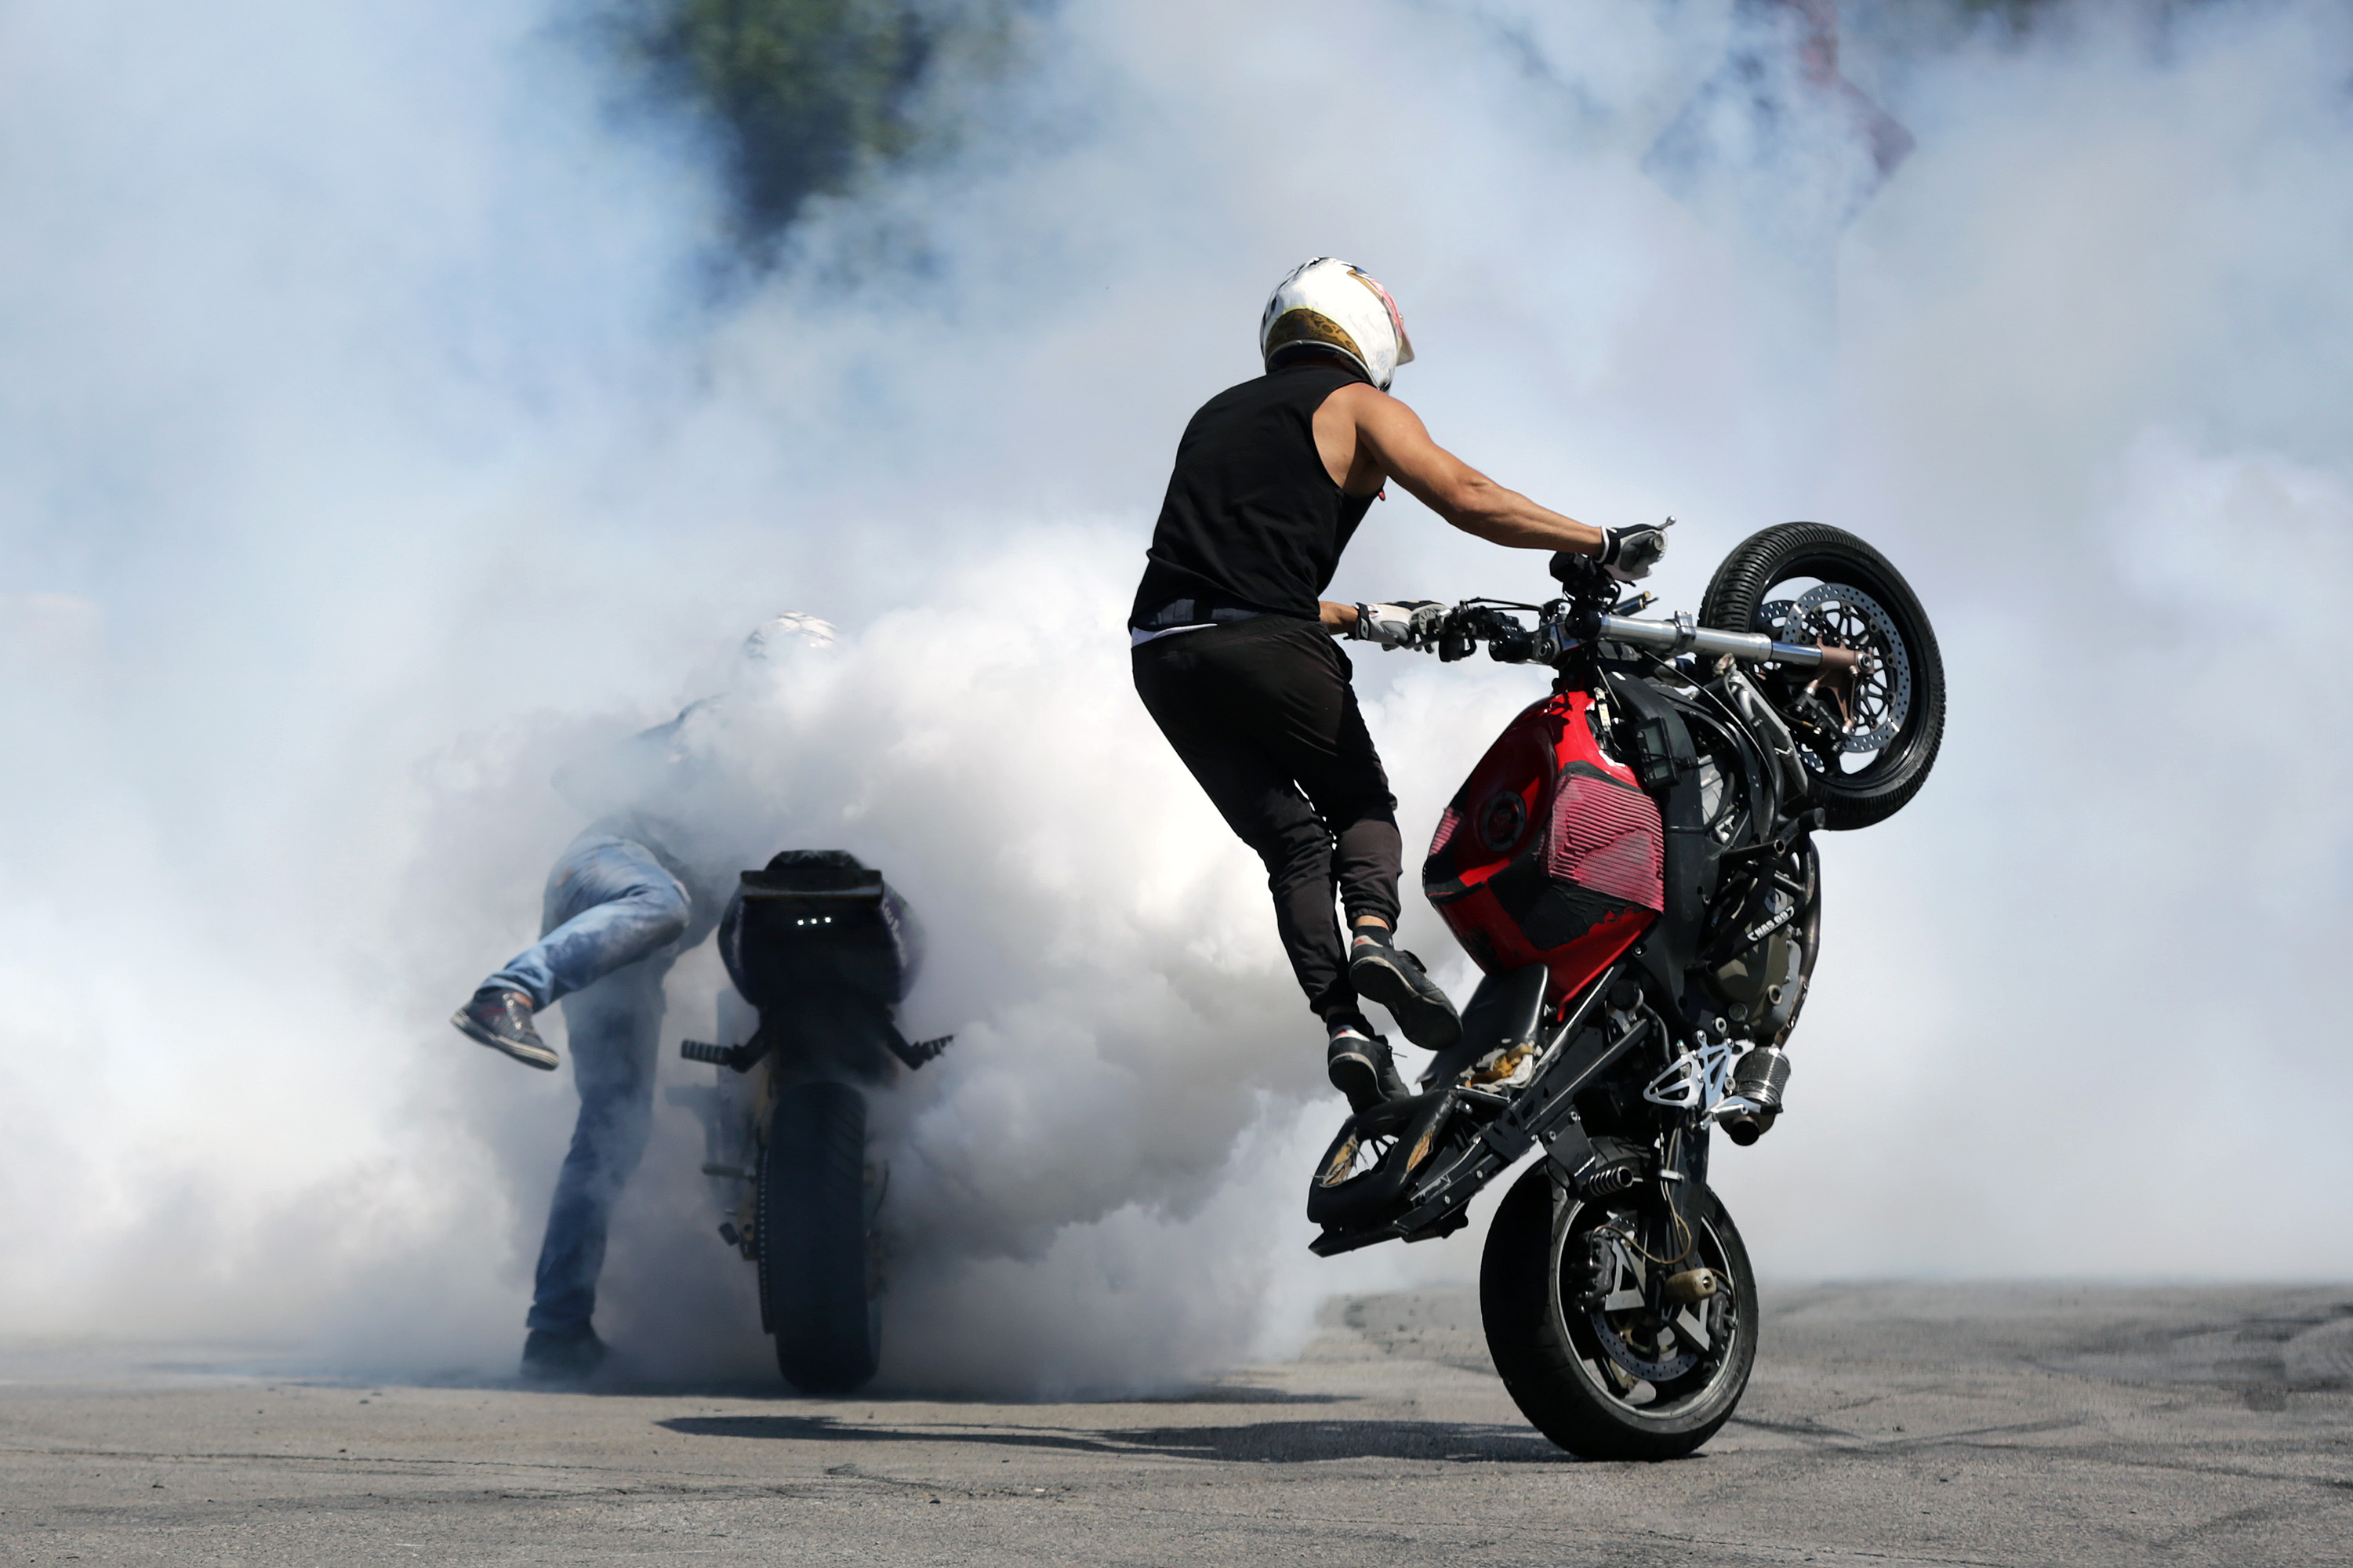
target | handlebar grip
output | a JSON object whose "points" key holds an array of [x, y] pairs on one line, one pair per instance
{"points": [[1575, 572]]}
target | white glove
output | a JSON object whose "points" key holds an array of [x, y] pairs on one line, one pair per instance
{"points": [[1401, 624], [1629, 553]]}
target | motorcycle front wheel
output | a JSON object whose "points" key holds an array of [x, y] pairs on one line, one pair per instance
{"points": [[1583, 1351], [1807, 582], [818, 1290]]}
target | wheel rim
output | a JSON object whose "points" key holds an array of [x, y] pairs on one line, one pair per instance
{"points": [[1649, 1365]]}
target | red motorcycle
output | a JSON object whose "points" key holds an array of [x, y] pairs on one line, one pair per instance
{"points": [[1632, 865]]}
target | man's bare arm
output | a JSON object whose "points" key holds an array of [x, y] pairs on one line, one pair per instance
{"points": [[1392, 435]]}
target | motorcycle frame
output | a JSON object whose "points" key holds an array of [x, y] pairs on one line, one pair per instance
{"points": [[1650, 679]]}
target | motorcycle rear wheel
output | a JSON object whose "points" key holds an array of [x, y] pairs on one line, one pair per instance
{"points": [[1736, 599], [1549, 1348], [818, 1286]]}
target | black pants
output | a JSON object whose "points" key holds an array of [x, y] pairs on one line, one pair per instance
{"points": [[1263, 714]]}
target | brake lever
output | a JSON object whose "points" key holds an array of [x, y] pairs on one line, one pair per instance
{"points": [[1455, 640]]}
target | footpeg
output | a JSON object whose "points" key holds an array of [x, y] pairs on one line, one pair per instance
{"points": [[915, 1053], [741, 1058]]}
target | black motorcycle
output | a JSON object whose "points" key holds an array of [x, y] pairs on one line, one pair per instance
{"points": [[821, 949], [1633, 866]]}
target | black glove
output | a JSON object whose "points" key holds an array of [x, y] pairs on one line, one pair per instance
{"points": [[1404, 623], [1629, 553]]}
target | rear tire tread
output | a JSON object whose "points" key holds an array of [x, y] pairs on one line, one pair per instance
{"points": [[1537, 1363], [813, 1240]]}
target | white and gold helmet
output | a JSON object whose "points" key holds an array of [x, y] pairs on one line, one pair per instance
{"points": [[1340, 308], [774, 640]]}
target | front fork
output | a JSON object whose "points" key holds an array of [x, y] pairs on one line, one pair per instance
{"points": [[1664, 1233], [1683, 1171]]}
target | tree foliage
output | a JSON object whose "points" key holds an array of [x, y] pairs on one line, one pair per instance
{"points": [[806, 94]]}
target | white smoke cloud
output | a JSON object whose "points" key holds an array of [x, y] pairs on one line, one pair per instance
{"points": [[371, 452]]}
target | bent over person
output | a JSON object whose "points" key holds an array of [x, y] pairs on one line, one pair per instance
{"points": [[642, 884], [1232, 643]]}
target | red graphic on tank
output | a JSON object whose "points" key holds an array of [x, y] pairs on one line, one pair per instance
{"points": [[1550, 853]]}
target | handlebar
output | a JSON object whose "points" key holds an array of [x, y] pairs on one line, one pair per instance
{"points": [[1685, 634], [1562, 625]]}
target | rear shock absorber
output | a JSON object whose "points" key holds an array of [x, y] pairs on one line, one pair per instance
{"points": [[1610, 1181]]}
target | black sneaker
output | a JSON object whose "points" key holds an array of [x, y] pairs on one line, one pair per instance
{"points": [[1395, 980], [501, 1019], [562, 1355], [1360, 1065]]}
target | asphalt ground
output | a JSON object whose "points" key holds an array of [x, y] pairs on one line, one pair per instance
{"points": [[1895, 1424]]}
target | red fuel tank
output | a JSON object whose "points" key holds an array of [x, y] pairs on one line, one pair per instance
{"points": [[1550, 853]]}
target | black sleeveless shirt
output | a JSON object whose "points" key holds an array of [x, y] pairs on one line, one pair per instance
{"points": [[1252, 521]]}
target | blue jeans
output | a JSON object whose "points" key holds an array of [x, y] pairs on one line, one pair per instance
{"points": [[610, 904], [614, 918]]}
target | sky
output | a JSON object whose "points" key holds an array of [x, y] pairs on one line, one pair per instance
{"points": [[378, 440]]}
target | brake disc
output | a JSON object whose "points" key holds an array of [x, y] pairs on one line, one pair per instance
{"points": [[1616, 1332], [1653, 1369], [1844, 614]]}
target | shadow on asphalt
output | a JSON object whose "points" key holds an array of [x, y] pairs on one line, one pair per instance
{"points": [[1260, 1441], [604, 1385]]}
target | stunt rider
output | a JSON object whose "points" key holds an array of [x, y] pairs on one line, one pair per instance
{"points": [[641, 885], [1231, 644]]}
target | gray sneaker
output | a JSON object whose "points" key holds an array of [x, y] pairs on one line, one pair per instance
{"points": [[1359, 1063], [1395, 980], [501, 1019]]}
